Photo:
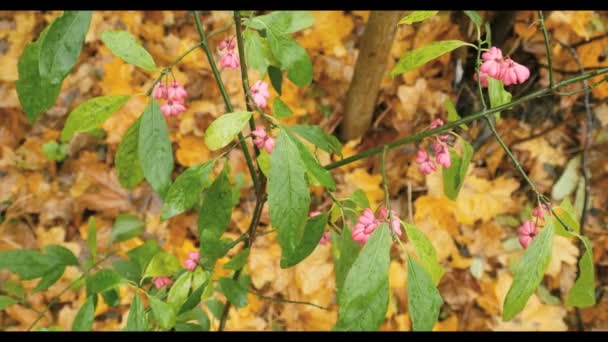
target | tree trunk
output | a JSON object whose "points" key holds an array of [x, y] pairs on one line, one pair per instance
{"points": [[370, 69]]}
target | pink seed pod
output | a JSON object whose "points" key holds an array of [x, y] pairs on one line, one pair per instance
{"points": [[527, 232]]}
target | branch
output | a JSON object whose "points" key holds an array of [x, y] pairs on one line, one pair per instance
{"points": [[541, 21]]}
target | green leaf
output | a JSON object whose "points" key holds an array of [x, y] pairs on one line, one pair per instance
{"points": [[238, 261], [582, 294], [344, 257], [61, 255], [453, 177], [224, 129], [60, 47], [579, 198], [137, 316], [49, 278], [364, 298], [54, 151], [291, 21], [27, 263], [126, 227], [162, 264], [127, 269], [216, 307], [13, 288], [425, 251], [85, 316], [292, 56], [417, 16], [102, 281], [529, 272], [568, 181], [546, 296], [128, 165], [163, 312], [233, 291], [318, 137], [142, 255], [423, 298], [498, 95], [124, 45], [315, 227], [111, 297], [92, 238], [214, 215], [567, 214], [475, 17], [6, 301], [264, 162], [154, 149], [288, 195], [257, 52], [179, 291], [318, 172], [276, 78], [418, 57], [92, 114], [452, 113], [280, 109], [194, 298], [185, 192], [36, 94]]}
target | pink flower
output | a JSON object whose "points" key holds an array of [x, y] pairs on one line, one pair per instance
{"points": [[527, 232], [159, 282], [493, 62], [442, 154], [395, 225], [314, 213], [262, 140], [325, 239], [227, 44], [538, 211], [484, 79], [160, 92], [260, 93], [176, 92], [427, 166], [194, 256], [436, 123], [514, 73], [192, 261], [230, 60], [366, 225], [172, 108]]}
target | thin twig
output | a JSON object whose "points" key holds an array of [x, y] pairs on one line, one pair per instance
{"points": [[281, 300], [541, 21]]}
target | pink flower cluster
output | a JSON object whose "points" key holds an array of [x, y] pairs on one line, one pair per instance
{"points": [[367, 223], [504, 69], [528, 230], [192, 261], [160, 282], [229, 56], [263, 140], [260, 93], [538, 211], [440, 149], [175, 95]]}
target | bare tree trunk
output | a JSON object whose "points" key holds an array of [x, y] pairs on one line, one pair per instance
{"points": [[370, 69]]}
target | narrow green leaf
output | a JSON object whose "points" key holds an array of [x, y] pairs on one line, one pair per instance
{"points": [[195, 297], [162, 264], [568, 181], [142, 255], [529, 272], [280, 109], [288, 194], [318, 172], [257, 52], [264, 162], [6, 301], [54, 151], [111, 297], [13, 288], [216, 210], [49, 279], [418, 57], [475, 17], [127, 269], [128, 165], [291, 21], [317, 136], [92, 114], [102, 281], [546, 296], [276, 78], [364, 298], [292, 56], [85, 316], [137, 316], [238, 261], [224, 129], [233, 291], [61, 255], [452, 113], [27, 263], [344, 256], [178, 294], [163, 312], [423, 298], [567, 214], [216, 307], [154, 149], [498, 94], [185, 192], [60, 47], [126, 227], [124, 45], [453, 177], [417, 16], [315, 227], [425, 251], [92, 238], [582, 294]]}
